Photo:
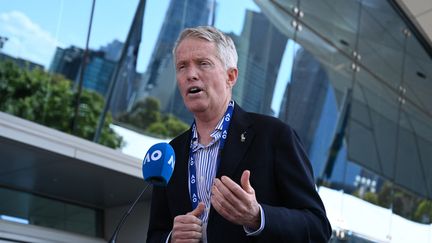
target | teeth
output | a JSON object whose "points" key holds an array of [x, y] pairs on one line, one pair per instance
{"points": [[194, 90]]}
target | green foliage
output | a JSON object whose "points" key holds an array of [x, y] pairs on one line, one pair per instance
{"points": [[174, 126], [423, 212], [401, 202], [158, 129], [371, 197], [91, 106], [385, 197], [48, 99], [145, 115]]}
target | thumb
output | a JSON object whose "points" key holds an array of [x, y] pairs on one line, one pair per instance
{"points": [[245, 183], [198, 210]]}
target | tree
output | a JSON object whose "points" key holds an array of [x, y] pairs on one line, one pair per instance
{"points": [[174, 125], [423, 212], [49, 100], [158, 129], [145, 115], [371, 197]]}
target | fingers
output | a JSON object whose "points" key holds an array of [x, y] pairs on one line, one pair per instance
{"points": [[188, 227], [229, 196], [223, 206], [186, 222], [238, 190], [186, 236], [235, 203], [245, 182], [198, 210]]}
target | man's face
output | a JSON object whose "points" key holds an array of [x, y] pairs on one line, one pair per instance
{"points": [[203, 81]]}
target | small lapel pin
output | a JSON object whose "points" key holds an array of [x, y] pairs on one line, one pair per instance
{"points": [[243, 137]]}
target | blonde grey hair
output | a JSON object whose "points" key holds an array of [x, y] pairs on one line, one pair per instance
{"points": [[226, 51]]}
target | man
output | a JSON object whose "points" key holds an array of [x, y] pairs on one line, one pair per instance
{"points": [[238, 177]]}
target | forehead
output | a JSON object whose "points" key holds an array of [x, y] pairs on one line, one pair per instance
{"points": [[195, 47]]}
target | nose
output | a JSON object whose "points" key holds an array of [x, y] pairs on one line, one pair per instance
{"points": [[192, 73]]}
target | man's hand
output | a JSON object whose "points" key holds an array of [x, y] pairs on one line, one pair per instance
{"points": [[187, 228], [236, 204]]}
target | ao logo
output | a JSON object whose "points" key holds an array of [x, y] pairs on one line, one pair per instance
{"points": [[155, 156], [228, 117], [171, 162], [224, 134]]}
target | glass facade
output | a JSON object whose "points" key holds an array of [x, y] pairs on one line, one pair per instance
{"points": [[31, 209], [349, 76]]}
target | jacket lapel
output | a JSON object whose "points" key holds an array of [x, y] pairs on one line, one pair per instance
{"points": [[179, 179], [240, 136]]}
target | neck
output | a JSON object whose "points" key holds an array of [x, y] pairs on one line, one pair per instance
{"points": [[206, 123]]}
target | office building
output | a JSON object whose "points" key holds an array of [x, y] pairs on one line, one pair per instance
{"points": [[259, 46], [160, 79], [112, 50], [308, 79], [98, 71], [67, 61]]}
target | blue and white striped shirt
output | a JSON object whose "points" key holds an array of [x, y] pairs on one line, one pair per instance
{"points": [[205, 158], [206, 162]]}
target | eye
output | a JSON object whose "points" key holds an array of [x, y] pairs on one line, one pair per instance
{"points": [[204, 63], [180, 67]]}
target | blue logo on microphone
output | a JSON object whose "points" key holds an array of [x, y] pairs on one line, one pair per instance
{"points": [[158, 164]]}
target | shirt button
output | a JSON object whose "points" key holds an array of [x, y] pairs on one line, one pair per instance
{"points": [[202, 179]]}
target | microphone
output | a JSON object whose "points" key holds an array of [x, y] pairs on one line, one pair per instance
{"points": [[158, 164], [157, 168]]}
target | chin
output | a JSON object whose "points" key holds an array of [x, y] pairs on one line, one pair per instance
{"points": [[196, 109], [196, 106]]}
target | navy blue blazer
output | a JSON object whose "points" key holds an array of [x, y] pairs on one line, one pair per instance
{"points": [[281, 175]]}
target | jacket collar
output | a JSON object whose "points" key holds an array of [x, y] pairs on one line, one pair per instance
{"points": [[240, 136]]}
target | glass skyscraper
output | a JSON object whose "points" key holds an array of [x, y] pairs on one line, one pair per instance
{"points": [[258, 47], [159, 80], [98, 71]]}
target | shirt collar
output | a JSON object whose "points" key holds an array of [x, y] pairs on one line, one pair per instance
{"points": [[216, 134]]}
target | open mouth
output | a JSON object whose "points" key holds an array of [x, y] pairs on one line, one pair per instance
{"points": [[194, 90]]}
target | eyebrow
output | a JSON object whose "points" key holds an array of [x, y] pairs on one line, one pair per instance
{"points": [[204, 59]]}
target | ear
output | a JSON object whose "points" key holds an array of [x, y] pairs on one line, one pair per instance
{"points": [[232, 76]]}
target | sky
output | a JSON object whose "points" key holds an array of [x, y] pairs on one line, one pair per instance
{"points": [[36, 27]]}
